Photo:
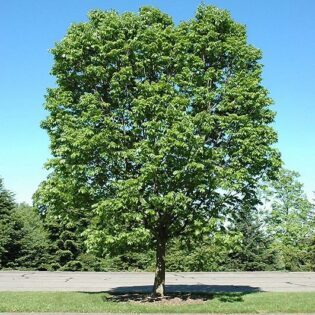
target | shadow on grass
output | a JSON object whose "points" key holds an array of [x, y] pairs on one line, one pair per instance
{"points": [[177, 294]]}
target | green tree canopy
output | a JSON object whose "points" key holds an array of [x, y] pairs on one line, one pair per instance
{"points": [[31, 240], [255, 251], [291, 222], [7, 226], [67, 249], [155, 128], [23, 241]]}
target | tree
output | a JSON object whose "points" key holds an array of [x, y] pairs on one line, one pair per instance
{"points": [[291, 221], [67, 250], [211, 253], [255, 250], [23, 242], [32, 240], [7, 226], [155, 129]]}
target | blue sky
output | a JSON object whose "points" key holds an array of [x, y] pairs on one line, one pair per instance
{"points": [[283, 29]]}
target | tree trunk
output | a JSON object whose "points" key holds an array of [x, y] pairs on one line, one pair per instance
{"points": [[159, 280]]}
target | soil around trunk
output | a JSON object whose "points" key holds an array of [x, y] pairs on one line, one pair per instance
{"points": [[170, 299]]}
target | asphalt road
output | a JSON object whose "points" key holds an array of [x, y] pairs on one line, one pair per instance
{"points": [[142, 281], [32, 313], [151, 313]]}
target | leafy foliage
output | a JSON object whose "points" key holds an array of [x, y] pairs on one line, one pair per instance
{"points": [[209, 254], [8, 227], [255, 251], [155, 129], [256, 238], [23, 240], [160, 137], [32, 241], [291, 222], [67, 250]]}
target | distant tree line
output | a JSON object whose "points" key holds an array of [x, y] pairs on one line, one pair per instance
{"points": [[276, 231]]}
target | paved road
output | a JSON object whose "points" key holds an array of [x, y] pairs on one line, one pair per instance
{"points": [[142, 281], [32, 313], [152, 313]]}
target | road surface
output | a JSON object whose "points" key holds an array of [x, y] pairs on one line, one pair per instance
{"points": [[142, 281], [32, 313]]}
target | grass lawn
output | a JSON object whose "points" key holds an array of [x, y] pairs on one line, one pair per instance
{"points": [[261, 302]]}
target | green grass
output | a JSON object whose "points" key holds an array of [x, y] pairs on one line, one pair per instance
{"points": [[262, 302]]}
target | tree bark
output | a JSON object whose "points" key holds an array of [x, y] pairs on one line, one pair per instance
{"points": [[159, 280]]}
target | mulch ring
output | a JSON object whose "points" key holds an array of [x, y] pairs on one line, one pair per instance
{"points": [[169, 299]]}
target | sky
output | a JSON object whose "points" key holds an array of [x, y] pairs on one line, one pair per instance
{"points": [[284, 30]]}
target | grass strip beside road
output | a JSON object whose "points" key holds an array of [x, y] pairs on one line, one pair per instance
{"points": [[261, 302]]}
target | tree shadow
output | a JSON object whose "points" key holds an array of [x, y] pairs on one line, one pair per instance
{"points": [[178, 294]]}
